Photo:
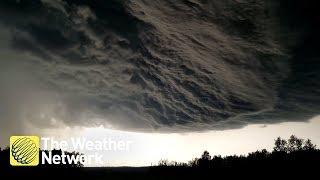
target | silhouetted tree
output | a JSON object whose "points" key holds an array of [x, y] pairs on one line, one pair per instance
{"points": [[280, 145], [259, 154], [294, 152], [204, 161], [206, 156], [294, 144], [194, 162], [163, 162], [308, 146]]}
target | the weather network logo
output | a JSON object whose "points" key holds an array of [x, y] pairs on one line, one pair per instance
{"points": [[24, 150]]}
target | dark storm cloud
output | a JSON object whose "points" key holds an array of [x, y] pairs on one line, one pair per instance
{"points": [[166, 65]]}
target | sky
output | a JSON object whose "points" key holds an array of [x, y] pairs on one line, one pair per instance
{"points": [[175, 77], [148, 148]]}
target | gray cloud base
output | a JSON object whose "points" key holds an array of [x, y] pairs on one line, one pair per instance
{"points": [[156, 66]]}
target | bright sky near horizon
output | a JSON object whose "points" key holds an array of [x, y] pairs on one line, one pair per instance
{"points": [[149, 148]]}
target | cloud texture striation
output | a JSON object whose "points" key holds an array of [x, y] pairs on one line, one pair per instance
{"points": [[163, 65]]}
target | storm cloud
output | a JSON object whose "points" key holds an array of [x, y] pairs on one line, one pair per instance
{"points": [[166, 65]]}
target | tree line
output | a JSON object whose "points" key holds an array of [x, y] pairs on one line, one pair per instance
{"points": [[289, 152]]}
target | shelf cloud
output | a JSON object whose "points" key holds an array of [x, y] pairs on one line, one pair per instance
{"points": [[171, 66]]}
